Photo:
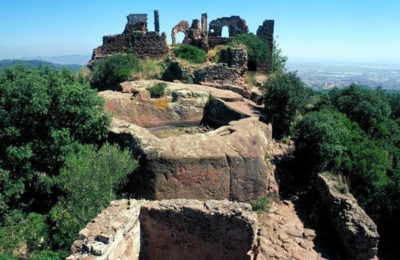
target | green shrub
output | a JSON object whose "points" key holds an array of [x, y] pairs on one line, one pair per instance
{"points": [[261, 204], [190, 53], [96, 174], [285, 97], [114, 70], [158, 90], [257, 49]]}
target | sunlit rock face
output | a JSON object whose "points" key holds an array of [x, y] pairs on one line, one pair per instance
{"points": [[171, 229], [224, 160]]}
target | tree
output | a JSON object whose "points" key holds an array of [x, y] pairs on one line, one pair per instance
{"points": [[368, 108], [285, 97], [278, 59], [327, 140], [89, 180], [321, 139], [44, 115]]}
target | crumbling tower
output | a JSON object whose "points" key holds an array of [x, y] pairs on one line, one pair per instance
{"points": [[157, 21], [266, 33]]}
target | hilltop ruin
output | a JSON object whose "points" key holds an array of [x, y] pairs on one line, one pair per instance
{"points": [[138, 40]]}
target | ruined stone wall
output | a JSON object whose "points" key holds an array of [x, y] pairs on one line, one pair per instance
{"points": [[135, 39], [266, 33], [355, 228], [219, 73], [235, 24], [172, 229], [232, 71]]}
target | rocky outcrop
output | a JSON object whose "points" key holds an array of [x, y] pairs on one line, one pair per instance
{"points": [[354, 227], [181, 104], [172, 229], [227, 163]]}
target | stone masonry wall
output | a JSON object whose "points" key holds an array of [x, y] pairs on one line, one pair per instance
{"points": [[266, 33], [135, 39]]}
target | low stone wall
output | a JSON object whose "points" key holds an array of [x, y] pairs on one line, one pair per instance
{"points": [[172, 229], [354, 227]]}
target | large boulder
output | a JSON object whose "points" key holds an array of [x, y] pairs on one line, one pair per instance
{"points": [[227, 163]]}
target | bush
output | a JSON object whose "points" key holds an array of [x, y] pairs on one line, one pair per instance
{"points": [[261, 204], [322, 138], [190, 53], [114, 70], [328, 141], [158, 90], [257, 49], [285, 97], [96, 174]]}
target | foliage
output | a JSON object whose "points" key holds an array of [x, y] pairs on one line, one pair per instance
{"points": [[362, 143], [52, 120], [150, 69], [44, 115], [190, 53], [394, 101], [368, 108], [257, 49], [114, 70], [285, 97], [261, 204], [18, 231], [321, 138], [278, 59], [158, 90], [89, 179], [251, 79], [328, 140]]}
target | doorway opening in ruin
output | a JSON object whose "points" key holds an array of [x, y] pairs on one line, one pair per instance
{"points": [[225, 31], [179, 37]]}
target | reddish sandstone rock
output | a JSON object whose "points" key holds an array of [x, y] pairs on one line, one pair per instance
{"points": [[171, 229], [182, 103], [227, 163]]}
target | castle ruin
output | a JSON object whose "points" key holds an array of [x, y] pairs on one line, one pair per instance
{"points": [[137, 40]]}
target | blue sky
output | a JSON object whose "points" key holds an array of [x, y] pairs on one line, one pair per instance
{"points": [[349, 30]]}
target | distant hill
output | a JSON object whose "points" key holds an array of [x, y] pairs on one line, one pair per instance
{"points": [[9, 63], [62, 59]]}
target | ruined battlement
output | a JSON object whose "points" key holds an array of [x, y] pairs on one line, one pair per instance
{"points": [[135, 39]]}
